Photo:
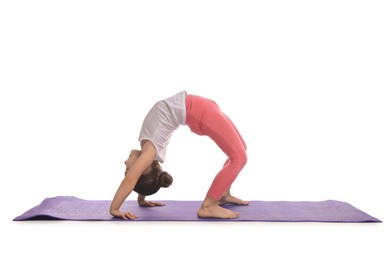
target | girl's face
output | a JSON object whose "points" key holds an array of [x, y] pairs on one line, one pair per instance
{"points": [[155, 166], [131, 159]]}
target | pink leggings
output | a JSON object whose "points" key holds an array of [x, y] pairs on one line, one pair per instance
{"points": [[205, 118]]}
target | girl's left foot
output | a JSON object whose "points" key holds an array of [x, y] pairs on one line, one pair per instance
{"points": [[232, 200]]}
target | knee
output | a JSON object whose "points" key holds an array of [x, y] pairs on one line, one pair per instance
{"points": [[240, 159], [243, 158]]}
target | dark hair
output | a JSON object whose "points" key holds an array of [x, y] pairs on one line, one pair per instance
{"points": [[152, 181]]}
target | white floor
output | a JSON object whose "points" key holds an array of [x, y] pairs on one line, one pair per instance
{"points": [[176, 240]]}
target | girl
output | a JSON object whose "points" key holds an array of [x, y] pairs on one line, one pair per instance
{"points": [[203, 117]]}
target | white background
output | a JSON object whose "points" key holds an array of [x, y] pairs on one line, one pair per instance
{"points": [[306, 82]]}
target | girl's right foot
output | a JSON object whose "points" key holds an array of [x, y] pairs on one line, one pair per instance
{"points": [[211, 209]]}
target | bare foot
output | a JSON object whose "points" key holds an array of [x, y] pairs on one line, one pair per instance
{"points": [[233, 200], [216, 212], [211, 209]]}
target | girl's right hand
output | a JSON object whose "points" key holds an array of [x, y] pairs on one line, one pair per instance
{"points": [[124, 215]]}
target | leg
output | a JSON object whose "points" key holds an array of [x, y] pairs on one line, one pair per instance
{"points": [[227, 197], [226, 136], [235, 128], [220, 129], [205, 118]]}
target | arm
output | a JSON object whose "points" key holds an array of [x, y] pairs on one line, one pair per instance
{"points": [[128, 183]]}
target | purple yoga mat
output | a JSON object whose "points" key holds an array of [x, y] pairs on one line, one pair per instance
{"points": [[72, 208]]}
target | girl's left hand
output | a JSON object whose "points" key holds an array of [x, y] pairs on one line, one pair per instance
{"points": [[146, 203]]}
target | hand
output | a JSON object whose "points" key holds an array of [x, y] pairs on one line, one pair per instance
{"points": [[124, 215], [145, 203]]}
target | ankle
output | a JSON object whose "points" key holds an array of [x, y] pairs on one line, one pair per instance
{"points": [[209, 202]]}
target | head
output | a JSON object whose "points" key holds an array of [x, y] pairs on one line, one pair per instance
{"points": [[152, 180]]}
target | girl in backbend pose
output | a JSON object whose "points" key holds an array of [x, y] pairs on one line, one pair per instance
{"points": [[143, 171]]}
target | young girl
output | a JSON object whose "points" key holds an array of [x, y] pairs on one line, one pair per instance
{"points": [[203, 117]]}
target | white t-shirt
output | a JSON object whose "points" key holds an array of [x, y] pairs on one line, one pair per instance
{"points": [[162, 119]]}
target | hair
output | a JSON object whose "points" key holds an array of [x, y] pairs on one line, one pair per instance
{"points": [[152, 181]]}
